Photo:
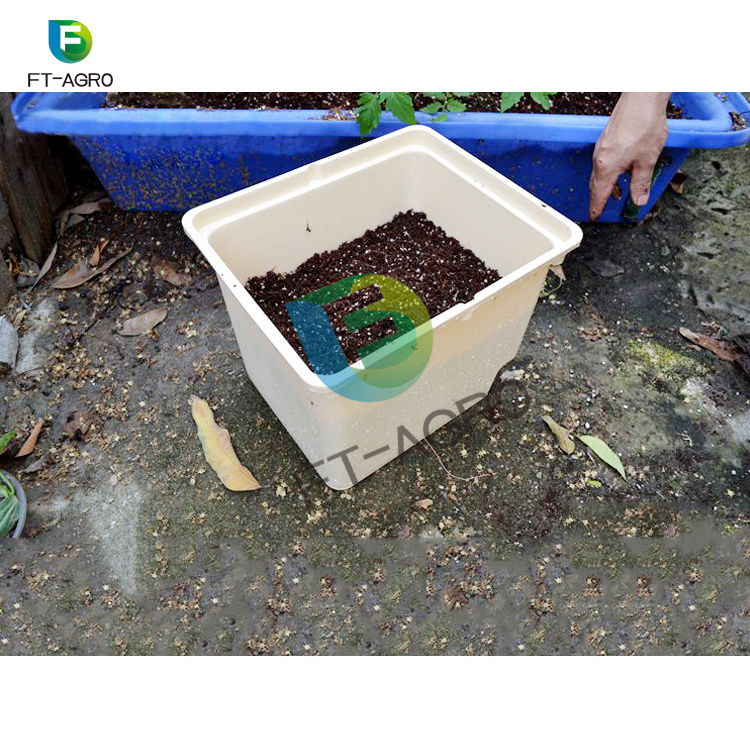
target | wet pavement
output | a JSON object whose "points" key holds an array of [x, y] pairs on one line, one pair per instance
{"points": [[492, 540]]}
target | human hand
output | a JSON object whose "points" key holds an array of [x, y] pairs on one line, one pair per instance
{"points": [[631, 142]]}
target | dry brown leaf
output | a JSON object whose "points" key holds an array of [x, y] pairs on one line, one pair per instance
{"points": [[82, 272], [46, 266], [424, 504], [604, 267], [28, 447], [558, 271], [90, 207], [589, 334], [678, 182], [79, 423], [167, 270], [722, 349], [143, 323], [97, 254], [564, 440], [72, 220], [218, 450]]}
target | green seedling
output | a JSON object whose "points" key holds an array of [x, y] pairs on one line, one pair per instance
{"points": [[371, 105], [9, 506], [509, 99], [444, 102], [5, 439]]}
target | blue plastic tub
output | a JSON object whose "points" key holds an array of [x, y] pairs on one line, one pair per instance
{"points": [[174, 159]]}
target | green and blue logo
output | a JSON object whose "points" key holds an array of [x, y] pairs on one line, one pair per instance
{"points": [[69, 41], [397, 360]]}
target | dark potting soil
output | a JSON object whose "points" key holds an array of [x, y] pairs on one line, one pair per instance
{"points": [[563, 103], [409, 248]]}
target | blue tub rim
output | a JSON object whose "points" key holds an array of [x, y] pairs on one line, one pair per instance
{"points": [[710, 126]]}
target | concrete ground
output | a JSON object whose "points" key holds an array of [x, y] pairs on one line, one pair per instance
{"points": [[132, 546]]}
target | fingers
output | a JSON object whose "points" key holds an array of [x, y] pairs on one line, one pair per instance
{"points": [[603, 180], [640, 183]]}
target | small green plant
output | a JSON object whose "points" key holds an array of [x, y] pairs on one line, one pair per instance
{"points": [[9, 506], [401, 105], [5, 439], [370, 107], [444, 102], [509, 99]]}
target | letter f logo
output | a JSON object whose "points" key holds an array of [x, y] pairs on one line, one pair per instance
{"points": [[69, 41]]}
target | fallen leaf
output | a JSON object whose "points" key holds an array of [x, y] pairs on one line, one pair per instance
{"points": [[604, 452], [604, 267], [97, 254], [82, 272], [13, 266], [72, 216], [589, 334], [90, 207], [742, 342], [167, 270], [616, 192], [74, 219], [5, 439], [424, 504], [28, 447], [79, 423], [218, 450], [143, 323], [678, 182], [558, 271], [46, 265], [722, 349], [563, 436], [40, 463]]}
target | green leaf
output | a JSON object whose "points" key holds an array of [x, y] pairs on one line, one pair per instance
{"points": [[563, 436], [435, 94], [400, 104], [542, 98], [509, 99], [368, 112], [430, 109], [604, 452], [462, 94], [9, 507], [5, 439], [454, 105], [441, 117]]}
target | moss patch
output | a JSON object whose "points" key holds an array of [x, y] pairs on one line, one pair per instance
{"points": [[665, 368]]}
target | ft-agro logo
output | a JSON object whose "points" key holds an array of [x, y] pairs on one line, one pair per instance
{"points": [[69, 41], [395, 362]]}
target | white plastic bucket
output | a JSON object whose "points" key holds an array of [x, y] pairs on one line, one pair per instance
{"points": [[280, 223]]}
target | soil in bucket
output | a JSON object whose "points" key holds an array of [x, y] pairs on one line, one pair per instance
{"points": [[563, 103], [409, 248]]}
